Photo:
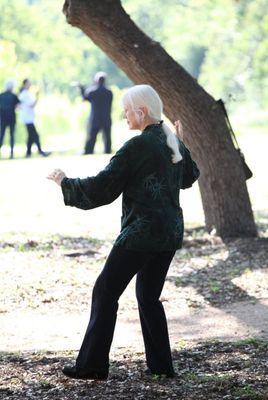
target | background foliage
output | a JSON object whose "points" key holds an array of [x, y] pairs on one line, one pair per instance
{"points": [[223, 44]]}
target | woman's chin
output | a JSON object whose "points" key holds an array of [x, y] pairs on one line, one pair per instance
{"points": [[132, 126]]}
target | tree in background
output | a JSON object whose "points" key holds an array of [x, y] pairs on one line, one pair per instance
{"points": [[223, 189], [223, 44], [36, 42], [228, 38], [8, 58], [46, 49]]}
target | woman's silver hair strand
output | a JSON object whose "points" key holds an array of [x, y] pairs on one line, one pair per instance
{"points": [[173, 144]]}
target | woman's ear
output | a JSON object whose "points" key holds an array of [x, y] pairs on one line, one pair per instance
{"points": [[141, 113], [145, 111]]}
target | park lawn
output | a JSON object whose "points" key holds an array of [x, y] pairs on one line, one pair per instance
{"points": [[50, 256]]}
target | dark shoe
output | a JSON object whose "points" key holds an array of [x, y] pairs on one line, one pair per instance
{"points": [[71, 372], [45, 153]]}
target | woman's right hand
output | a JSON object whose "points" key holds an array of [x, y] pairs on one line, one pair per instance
{"points": [[178, 128], [57, 176]]}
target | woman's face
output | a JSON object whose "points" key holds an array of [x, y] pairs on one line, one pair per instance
{"points": [[131, 117], [27, 84]]}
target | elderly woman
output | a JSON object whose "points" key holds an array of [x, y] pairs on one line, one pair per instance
{"points": [[149, 170]]}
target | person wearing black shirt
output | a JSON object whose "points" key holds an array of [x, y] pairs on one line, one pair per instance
{"points": [[8, 103], [100, 99]]}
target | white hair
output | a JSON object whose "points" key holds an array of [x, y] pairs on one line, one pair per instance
{"points": [[145, 96], [98, 75], [9, 84]]}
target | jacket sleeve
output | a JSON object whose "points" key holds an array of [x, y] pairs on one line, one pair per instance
{"points": [[85, 93], [101, 189], [190, 170]]}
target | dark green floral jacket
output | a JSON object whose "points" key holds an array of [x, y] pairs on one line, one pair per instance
{"points": [[142, 170]]}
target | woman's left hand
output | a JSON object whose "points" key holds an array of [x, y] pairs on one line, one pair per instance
{"points": [[57, 176], [178, 127]]}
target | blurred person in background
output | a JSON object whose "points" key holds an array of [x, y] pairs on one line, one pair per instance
{"points": [[99, 119], [8, 104], [27, 106]]}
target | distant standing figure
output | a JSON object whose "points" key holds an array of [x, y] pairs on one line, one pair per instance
{"points": [[28, 103], [8, 103], [100, 114]]}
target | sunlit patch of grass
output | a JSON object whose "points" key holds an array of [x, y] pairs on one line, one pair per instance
{"points": [[182, 343]]}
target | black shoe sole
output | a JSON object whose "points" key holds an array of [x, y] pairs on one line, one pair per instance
{"points": [[98, 376]]}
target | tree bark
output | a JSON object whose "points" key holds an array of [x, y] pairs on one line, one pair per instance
{"points": [[222, 184]]}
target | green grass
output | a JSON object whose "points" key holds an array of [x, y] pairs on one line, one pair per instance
{"points": [[249, 391]]}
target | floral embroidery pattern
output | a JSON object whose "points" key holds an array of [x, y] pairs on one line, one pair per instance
{"points": [[154, 186], [138, 227]]}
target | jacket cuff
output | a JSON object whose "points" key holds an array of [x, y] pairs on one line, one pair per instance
{"points": [[66, 188]]}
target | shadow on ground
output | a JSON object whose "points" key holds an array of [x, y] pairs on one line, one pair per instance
{"points": [[221, 264], [206, 371]]}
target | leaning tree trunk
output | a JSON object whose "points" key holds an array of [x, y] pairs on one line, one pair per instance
{"points": [[222, 184]]}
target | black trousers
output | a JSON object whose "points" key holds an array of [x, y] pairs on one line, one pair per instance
{"points": [[11, 125], [33, 137], [92, 132], [121, 265]]}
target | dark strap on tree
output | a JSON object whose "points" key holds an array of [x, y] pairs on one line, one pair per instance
{"points": [[247, 171], [221, 103]]}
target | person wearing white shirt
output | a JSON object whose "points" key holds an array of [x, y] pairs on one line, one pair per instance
{"points": [[27, 114]]}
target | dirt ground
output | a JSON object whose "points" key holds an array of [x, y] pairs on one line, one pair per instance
{"points": [[215, 296]]}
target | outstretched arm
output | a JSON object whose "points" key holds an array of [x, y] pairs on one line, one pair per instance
{"points": [[97, 190], [85, 92]]}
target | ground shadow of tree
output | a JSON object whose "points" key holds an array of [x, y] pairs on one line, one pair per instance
{"points": [[207, 370], [214, 282], [214, 278]]}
